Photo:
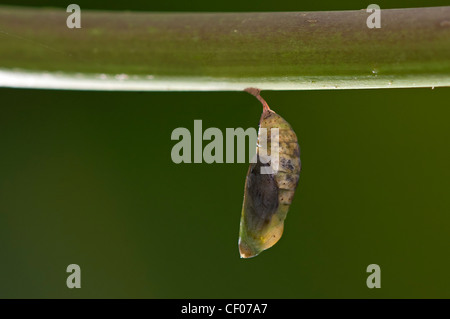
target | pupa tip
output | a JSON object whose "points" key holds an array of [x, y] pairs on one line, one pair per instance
{"points": [[253, 91], [257, 93]]}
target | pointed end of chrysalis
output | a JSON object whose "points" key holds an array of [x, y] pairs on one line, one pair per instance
{"points": [[245, 250], [257, 93]]}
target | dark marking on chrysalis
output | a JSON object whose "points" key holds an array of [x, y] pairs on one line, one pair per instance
{"points": [[262, 191], [286, 164]]}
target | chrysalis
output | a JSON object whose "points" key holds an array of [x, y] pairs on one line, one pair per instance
{"points": [[267, 196]]}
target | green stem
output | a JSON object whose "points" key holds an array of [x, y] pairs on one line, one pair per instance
{"points": [[224, 51]]}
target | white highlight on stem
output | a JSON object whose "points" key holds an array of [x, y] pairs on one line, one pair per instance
{"points": [[122, 82]]}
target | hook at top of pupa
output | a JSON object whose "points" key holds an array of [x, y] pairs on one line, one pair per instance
{"points": [[257, 93]]}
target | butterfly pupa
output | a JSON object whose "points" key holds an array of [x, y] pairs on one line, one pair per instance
{"points": [[267, 197]]}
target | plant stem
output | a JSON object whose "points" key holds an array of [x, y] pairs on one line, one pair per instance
{"points": [[224, 51]]}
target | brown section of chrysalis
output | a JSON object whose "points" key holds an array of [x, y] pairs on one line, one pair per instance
{"points": [[267, 196]]}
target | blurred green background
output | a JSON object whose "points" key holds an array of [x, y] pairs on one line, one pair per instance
{"points": [[87, 178]]}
